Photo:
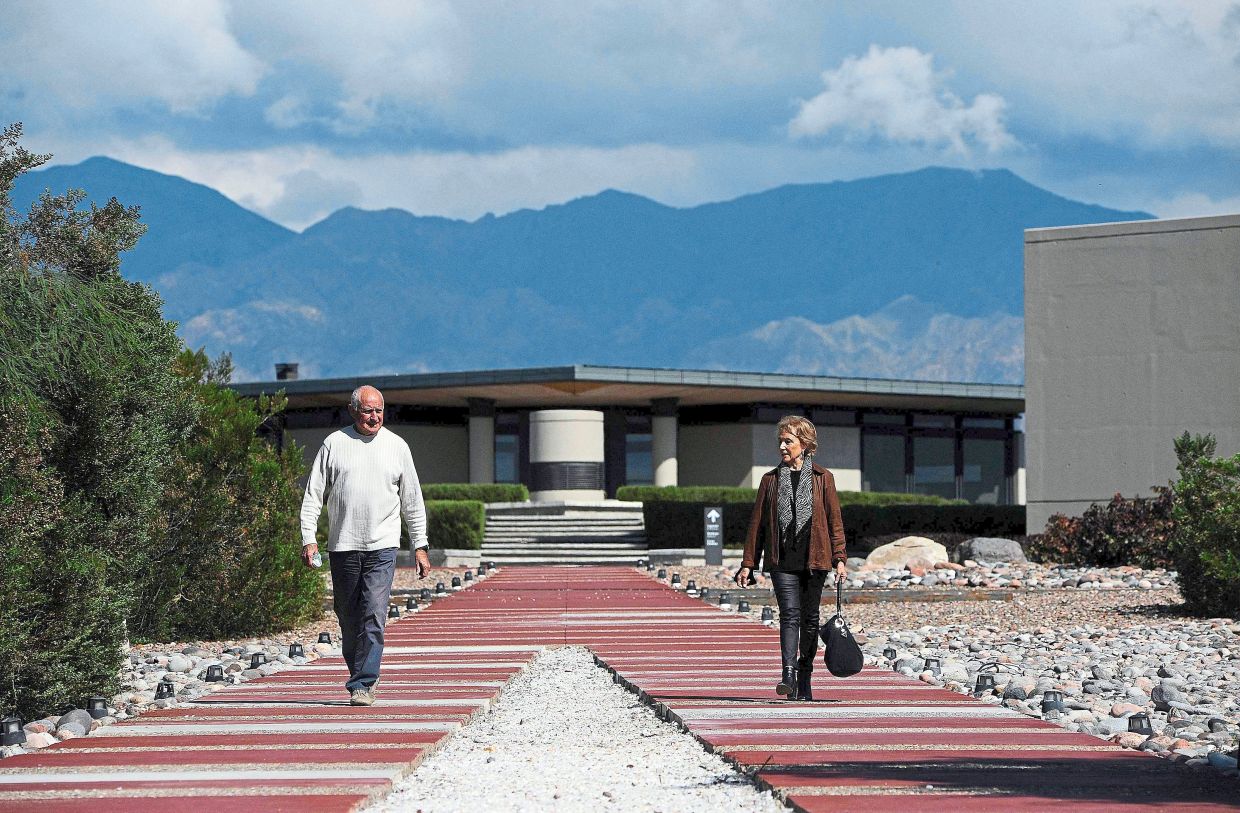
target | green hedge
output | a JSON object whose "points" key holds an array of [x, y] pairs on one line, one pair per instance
{"points": [[455, 523], [674, 524], [482, 492], [725, 494]]}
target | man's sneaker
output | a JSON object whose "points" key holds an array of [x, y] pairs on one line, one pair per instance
{"points": [[361, 697]]}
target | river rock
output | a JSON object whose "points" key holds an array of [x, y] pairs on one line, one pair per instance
{"points": [[40, 740], [896, 555], [991, 549], [78, 717]]}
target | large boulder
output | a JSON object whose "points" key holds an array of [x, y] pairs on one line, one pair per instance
{"points": [[898, 554], [988, 549]]}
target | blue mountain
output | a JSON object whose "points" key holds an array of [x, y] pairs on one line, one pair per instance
{"points": [[612, 278]]}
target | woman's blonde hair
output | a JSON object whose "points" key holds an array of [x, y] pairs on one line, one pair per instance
{"points": [[804, 430]]}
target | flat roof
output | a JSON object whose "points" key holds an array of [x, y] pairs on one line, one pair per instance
{"points": [[586, 386], [1132, 227]]}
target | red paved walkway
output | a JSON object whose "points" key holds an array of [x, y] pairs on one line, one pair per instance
{"points": [[289, 742]]}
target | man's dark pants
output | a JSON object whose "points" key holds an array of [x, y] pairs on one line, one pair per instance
{"points": [[798, 596], [362, 587]]}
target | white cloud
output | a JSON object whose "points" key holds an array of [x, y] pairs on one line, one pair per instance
{"points": [[97, 55], [905, 339], [1192, 204], [895, 94], [298, 185], [1159, 73]]}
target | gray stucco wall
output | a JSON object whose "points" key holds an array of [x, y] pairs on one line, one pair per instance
{"points": [[1132, 336]]}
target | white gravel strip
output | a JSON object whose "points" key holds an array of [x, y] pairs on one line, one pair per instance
{"points": [[564, 737]]}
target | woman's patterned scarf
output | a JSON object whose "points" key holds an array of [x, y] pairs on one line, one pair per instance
{"points": [[804, 496]]}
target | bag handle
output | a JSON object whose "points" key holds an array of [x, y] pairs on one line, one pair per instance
{"points": [[839, 594]]}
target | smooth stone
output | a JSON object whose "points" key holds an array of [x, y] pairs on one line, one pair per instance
{"points": [[79, 717], [180, 663], [991, 549], [898, 554], [1128, 739], [1221, 761], [39, 740], [73, 727]]}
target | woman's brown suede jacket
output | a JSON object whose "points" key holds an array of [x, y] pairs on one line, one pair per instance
{"points": [[826, 534]]}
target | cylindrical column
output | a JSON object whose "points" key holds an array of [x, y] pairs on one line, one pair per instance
{"points": [[481, 440], [566, 455], [663, 425]]}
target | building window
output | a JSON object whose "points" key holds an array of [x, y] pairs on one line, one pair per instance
{"points": [[638, 459], [934, 466], [983, 479], [507, 458], [882, 462]]}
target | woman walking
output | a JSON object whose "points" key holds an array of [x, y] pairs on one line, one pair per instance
{"points": [[797, 533]]}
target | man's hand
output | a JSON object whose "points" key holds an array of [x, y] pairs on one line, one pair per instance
{"points": [[421, 562], [742, 577], [307, 553]]}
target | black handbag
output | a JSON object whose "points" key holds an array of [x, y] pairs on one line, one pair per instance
{"points": [[842, 657]]}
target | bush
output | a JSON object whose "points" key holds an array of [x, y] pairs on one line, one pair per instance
{"points": [[727, 494], [62, 620], [1121, 532], [455, 523], [482, 492], [230, 564], [682, 524], [1205, 543]]}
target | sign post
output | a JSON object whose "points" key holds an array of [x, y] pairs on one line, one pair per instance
{"points": [[714, 534]]}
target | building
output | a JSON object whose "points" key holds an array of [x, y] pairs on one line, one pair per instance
{"points": [[1132, 337], [583, 431]]}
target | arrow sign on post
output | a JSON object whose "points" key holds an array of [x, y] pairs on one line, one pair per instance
{"points": [[714, 535]]}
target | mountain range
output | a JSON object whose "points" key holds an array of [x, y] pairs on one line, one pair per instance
{"points": [[917, 275]]}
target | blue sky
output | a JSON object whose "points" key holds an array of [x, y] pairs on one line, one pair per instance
{"points": [[462, 108]]}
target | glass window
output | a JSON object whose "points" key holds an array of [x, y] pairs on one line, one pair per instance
{"points": [[984, 423], [506, 452], [984, 480], [935, 421], [638, 459], [934, 466], [883, 418], [882, 467], [834, 417]]}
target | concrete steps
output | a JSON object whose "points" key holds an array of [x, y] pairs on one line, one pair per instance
{"points": [[602, 533]]}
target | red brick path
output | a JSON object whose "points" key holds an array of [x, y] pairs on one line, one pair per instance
{"points": [[290, 742]]}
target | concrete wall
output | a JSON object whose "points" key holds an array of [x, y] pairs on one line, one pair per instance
{"points": [[440, 453], [1132, 336], [839, 449], [715, 455]]}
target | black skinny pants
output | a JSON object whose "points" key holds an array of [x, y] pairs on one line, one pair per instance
{"points": [[799, 596]]}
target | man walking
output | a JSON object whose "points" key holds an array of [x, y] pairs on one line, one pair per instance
{"points": [[366, 475]]}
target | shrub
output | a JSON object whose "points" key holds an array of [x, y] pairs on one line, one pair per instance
{"points": [[482, 492], [727, 494], [1205, 543], [1120, 532], [455, 523], [230, 563], [675, 524], [62, 620]]}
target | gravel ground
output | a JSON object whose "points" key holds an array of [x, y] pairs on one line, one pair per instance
{"points": [[564, 737]]}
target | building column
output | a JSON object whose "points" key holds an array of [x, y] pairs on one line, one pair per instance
{"points": [[481, 440], [663, 440]]}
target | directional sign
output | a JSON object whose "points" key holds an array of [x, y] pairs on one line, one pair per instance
{"points": [[714, 535]]}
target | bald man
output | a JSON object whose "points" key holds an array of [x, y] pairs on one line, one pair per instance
{"points": [[366, 476]]}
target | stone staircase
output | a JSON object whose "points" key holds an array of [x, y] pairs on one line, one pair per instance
{"points": [[578, 533]]}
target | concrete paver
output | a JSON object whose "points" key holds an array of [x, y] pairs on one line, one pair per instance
{"points": [[871, 742]]}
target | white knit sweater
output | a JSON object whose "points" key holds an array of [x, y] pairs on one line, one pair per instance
{"points": [[369, 483]]}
